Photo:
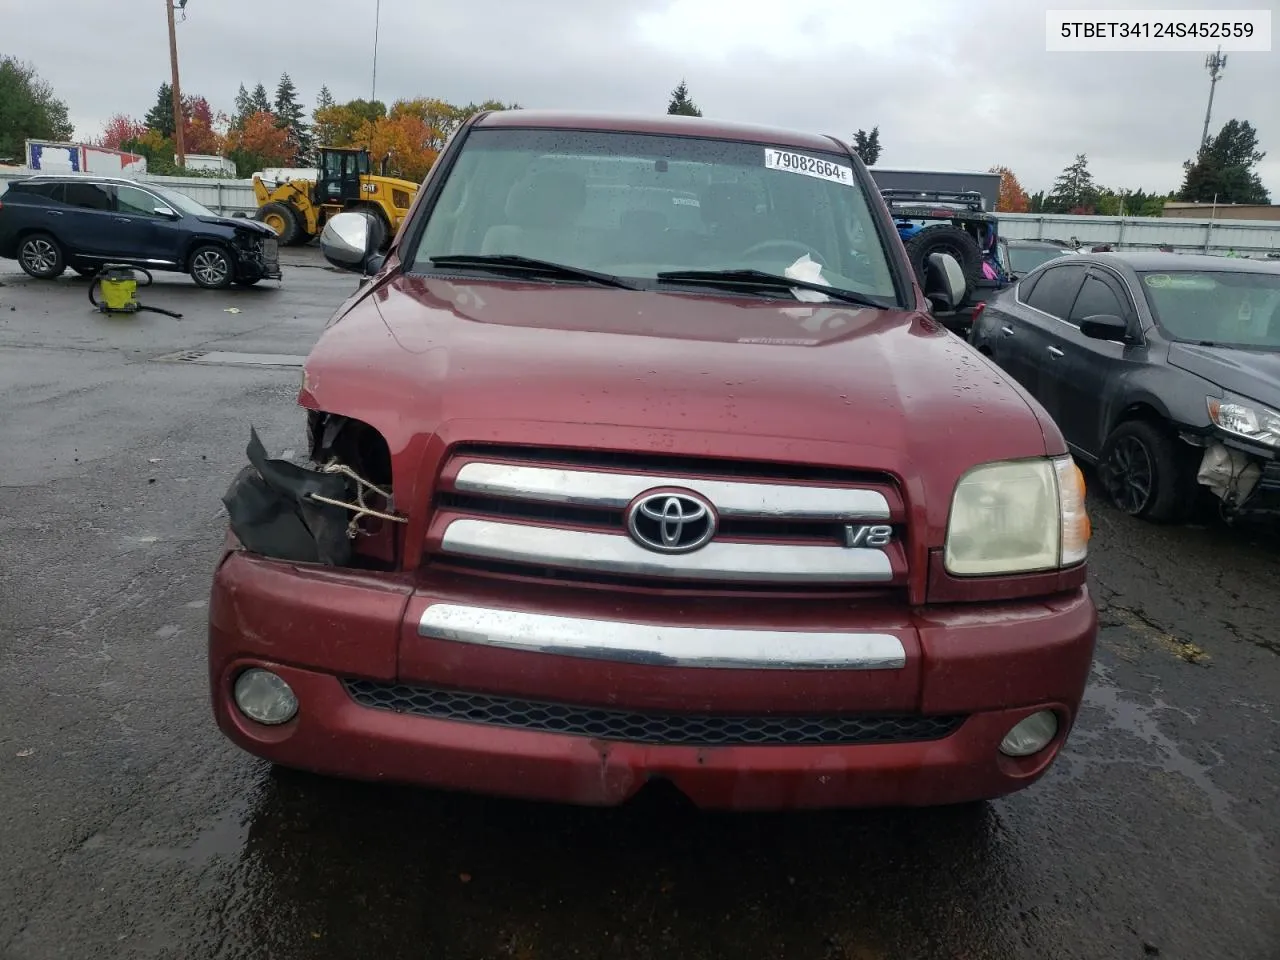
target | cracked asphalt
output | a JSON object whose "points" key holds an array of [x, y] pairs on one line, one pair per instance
{"points": [[130, 829]]}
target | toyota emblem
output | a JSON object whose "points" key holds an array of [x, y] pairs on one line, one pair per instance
{"points": [[671, 522]]}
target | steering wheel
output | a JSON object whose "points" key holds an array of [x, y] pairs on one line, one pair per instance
{"points": [[793, 245]]}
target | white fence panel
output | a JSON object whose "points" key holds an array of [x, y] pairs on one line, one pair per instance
{"points": [[1246, 237], [225, 197]]}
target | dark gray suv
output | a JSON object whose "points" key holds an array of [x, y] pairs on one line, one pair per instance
{"points": [[49, 223]]}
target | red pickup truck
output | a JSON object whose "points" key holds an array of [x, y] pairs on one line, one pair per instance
{"points": [[639, 457]]}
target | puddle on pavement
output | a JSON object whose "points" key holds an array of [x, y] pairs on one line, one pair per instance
{"points": [[1141, 722], [224, 838]]}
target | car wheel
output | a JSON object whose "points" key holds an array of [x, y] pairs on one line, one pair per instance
{"points": [[211, 267], [41, 256], [1145, 474]]}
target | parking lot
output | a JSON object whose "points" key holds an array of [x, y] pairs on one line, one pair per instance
{"points": [[130, 828]]}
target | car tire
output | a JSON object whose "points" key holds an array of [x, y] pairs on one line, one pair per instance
{"points": [[211, 267], [281, 213], [1145, 474], [945, 238], [41, 257]]}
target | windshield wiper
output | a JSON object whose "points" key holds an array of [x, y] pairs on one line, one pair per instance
{"points": [[770, 281], [518, 264]]}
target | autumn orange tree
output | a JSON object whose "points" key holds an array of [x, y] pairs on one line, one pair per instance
{"points": [[1012, 198], [119, 129], [258, 142], [340, 124], [410, 135], [153, 138]]}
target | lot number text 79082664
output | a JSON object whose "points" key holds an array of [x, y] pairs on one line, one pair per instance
{"points": [[809, 166]]}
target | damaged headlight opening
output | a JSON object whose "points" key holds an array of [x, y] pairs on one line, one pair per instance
{"points": [[1245, 418], [287, 511], [1019, 516]]}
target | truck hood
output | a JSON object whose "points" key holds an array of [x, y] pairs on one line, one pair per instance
{"points": [[675, 373], [1251, 373]]}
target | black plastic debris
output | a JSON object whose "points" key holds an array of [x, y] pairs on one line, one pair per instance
{"points": [[271, 512]]}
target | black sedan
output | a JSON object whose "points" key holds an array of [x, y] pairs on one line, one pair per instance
{"points": [[1161, 369], [1020, 257], [49, 223]]}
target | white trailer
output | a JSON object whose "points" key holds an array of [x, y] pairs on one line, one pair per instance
{"points": [[51, 157]]}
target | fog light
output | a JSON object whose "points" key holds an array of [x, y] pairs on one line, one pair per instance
{"points": [[1030, 735], [264, 697]]}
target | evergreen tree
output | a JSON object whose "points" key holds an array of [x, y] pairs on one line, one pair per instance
{"points": [[325, 100], [290, 116], [867, 146], [1074, 190], [259, 101], [160, 117], [1224, 168], [241, 110], [681, 103]]}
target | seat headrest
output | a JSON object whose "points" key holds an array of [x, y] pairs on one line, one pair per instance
{"points": [[643, 220], [549, 199], [727, 202]]}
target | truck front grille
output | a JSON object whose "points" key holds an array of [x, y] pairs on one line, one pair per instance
{"points": [[563, 515], [685, 729]]}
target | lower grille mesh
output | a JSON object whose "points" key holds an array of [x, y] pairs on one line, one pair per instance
{"points": [[650, 728]]}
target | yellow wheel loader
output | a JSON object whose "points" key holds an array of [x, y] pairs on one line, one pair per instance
{"points": [[295, 203]]}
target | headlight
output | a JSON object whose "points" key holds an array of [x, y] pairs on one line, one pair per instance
{"points": [[1018, 516], [1244, 418]]}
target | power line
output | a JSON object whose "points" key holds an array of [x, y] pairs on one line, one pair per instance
{"points": [[377, 19]]}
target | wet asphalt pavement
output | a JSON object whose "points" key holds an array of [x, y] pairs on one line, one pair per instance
{"points": [[130, 829]]}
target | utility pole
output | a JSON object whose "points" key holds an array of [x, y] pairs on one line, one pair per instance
{"points": [[178, 137], [1214, 63]]}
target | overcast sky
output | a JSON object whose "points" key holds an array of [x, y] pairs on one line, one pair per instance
{"points": [[959, 84]]}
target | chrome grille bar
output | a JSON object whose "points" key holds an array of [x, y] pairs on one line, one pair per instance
{"points": [[587, 488], [616, 554]]}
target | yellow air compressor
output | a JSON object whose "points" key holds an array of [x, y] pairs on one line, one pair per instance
{"points": [[118, 285]]}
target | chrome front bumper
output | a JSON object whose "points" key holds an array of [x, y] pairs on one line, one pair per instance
{"points": [[663, 645]]}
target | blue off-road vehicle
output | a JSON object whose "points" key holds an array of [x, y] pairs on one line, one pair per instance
{"points": [[954, 222]]}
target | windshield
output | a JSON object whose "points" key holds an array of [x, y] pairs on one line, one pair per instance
{"points": [[181, 202], [1026, 259], [1224, 307], [637, 205]]}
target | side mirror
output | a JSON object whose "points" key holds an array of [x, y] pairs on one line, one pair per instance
{"points": [[1105, 326], [166, 212], [347, 241], [945, 284]]}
